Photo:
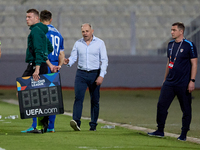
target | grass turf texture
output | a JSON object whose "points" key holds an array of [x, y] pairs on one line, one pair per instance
{"points": [[65, 138], [138, 108], [131, 107]]}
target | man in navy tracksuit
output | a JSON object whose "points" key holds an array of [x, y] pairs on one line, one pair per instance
{"points": [[179, 80]]}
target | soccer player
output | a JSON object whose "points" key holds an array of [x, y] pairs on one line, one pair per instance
{"points": [[57, 56]]}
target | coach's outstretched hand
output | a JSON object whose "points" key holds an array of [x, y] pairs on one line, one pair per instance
{"points": [[66, 61]]}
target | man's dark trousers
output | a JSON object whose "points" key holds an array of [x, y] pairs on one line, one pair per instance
{"points": [[167, 95], [83, 80]]}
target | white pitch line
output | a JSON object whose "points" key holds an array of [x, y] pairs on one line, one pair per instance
{"points": [[191, 139]]}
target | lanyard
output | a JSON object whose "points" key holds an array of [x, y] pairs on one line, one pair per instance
{"points": [[176, 51]]}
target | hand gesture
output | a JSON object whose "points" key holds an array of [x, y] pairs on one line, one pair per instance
{"points": [[66, 61]]}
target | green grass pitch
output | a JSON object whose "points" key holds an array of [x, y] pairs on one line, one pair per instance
{"points": [[137, 108]]}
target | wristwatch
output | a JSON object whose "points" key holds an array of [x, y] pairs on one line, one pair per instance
{"points": [[193, 80]]}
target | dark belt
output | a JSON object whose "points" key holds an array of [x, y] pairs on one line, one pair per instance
{"points": [[32, 64], [91, 71]]}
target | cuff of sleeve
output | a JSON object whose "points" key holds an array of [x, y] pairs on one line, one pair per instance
{"points": [[102, 74], [38, 64], [69, 65]]}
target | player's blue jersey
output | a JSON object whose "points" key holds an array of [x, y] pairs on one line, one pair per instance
{"points": [[57, 42]]}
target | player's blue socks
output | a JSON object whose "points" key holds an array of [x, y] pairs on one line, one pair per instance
{"points": [[50, 125], [51, 121], [34, 124]]}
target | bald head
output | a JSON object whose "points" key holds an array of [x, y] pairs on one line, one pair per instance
{"points": [[87, 24], [87, 32]]}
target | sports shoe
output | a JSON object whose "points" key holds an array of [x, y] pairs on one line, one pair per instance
{"points": [[51, 130], [74, 125], [92, 128], [156, 133], [35, 131], [29, 129], [182, 137]]}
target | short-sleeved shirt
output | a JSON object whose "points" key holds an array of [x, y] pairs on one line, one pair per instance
{"points": [[180, 74], [57, 41]]}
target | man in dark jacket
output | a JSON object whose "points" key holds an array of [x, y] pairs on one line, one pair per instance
{"points": [[37, 52], [56, 58], [38, 46]]}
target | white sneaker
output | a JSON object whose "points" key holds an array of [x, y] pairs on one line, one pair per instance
{"points": [[74, 125]]}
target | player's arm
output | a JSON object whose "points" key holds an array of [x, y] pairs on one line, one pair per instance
{"points": [[61, 58], [191, 85], [52, 67], [166, 71]]}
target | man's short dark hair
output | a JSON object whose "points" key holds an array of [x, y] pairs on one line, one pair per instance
{"points": [[34, 11], [180, 26], [45, 15]]}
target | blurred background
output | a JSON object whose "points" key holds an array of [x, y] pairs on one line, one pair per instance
{"points": [[136, 33]]}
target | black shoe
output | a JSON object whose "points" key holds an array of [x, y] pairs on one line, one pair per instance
{"points": [[44, 121], [182, 137], [156, 133], [92, 128], [74, 125], [35, 131], [45, 126]]}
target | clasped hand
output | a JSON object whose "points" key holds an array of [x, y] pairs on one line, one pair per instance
{"points": [[53, 68], [66, 61]]}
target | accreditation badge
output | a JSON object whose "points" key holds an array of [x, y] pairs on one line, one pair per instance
{"points": [[171, 64]]}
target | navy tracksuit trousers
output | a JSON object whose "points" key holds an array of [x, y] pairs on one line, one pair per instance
{"points": [[167, 95]]}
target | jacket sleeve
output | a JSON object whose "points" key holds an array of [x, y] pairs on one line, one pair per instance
{"points": [[39, 42], [49, 46], [48, 49]]}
